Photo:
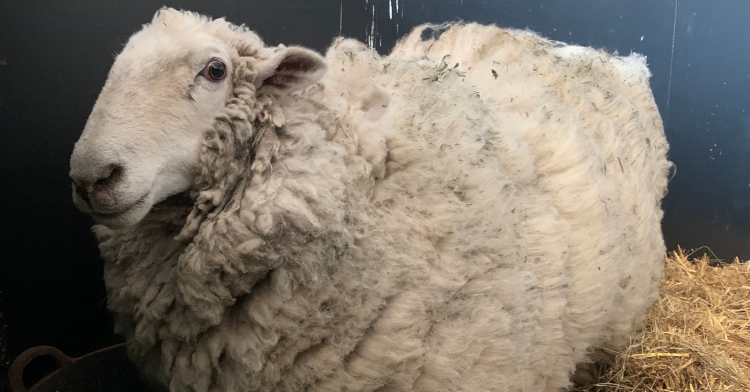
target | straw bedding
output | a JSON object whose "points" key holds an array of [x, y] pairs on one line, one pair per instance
{"points": [[698, 336]]}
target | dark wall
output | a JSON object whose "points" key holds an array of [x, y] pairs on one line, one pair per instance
{"points": [[56, 54]]}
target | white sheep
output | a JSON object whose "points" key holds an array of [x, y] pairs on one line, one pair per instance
{"points": [[477, 211]]}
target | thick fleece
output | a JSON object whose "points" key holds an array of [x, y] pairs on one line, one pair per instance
{"points": [[476, 211]]}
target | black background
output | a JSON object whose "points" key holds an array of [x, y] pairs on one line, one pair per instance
{"points": [[56, 55]]}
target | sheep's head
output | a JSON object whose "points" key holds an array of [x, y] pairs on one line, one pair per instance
{"points": [[142, 141]]}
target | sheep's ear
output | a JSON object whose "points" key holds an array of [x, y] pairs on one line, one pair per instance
{"points": [[290, 69]]}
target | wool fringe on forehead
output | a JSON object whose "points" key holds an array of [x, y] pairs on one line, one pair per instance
{"points": [[698, 336]]}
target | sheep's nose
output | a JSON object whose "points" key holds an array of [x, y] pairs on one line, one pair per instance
{"points": [[93, 184]]}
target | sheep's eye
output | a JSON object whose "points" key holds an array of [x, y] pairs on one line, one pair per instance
{"points": [[215, 71]]}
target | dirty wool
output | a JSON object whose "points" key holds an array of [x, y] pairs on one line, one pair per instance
{"points": [[477, 211]]}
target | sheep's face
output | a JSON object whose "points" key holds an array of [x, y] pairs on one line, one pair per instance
{"points": [[142, 140]]}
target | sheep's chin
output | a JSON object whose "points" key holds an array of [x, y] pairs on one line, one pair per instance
{"points": [[128, 217]]}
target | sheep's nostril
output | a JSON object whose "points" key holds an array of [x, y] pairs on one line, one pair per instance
{"points": [[112, 174]]}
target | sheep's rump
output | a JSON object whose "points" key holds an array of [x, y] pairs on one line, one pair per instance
{"points": [[473, 212]]}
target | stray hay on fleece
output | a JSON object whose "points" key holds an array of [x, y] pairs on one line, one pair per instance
{"points": [[477, 211]]}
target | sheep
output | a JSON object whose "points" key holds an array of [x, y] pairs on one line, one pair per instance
{"points": [[478, 210]]}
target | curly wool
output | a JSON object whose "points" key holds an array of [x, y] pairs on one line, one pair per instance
{"points": [[406, 225]]}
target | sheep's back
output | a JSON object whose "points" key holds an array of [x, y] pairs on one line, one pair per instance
{"points": [[598, 147]]}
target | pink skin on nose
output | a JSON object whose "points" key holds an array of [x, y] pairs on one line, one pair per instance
{"points": [[96, 196], [102, 198]]}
